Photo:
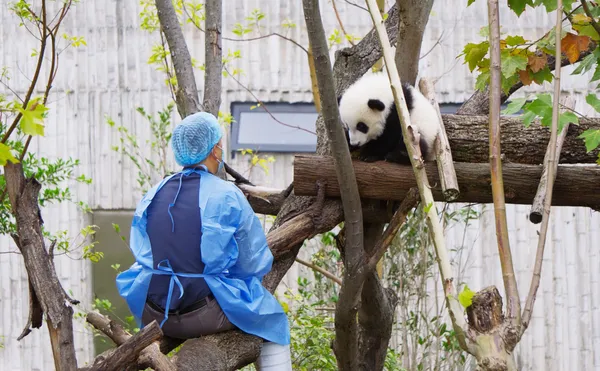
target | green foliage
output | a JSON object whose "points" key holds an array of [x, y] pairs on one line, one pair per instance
{"points": [[465, 296]]}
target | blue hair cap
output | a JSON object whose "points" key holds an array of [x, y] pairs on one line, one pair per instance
{"points": [[195, 137]]}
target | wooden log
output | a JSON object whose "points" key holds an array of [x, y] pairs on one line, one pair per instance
{"points": [[469, 140], [576, 185]]}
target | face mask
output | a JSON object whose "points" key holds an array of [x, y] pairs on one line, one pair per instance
{"points": [[220, 161]]}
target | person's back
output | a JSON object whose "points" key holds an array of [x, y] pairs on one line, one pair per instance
{"points": [[201, 253], [175, 235]]}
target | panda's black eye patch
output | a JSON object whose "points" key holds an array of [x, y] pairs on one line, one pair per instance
{"points": [[362, 127]]}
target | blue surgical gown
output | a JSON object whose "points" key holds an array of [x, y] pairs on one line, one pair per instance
{"points": [[235, 253]]}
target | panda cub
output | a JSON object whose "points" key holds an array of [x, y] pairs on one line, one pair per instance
{"points": [[368, 112]]}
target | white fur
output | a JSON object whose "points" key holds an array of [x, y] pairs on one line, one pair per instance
{"points": [[353, 109]]}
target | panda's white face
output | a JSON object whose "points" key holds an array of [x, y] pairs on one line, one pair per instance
{"points": [[364, 108], [363, 122]]}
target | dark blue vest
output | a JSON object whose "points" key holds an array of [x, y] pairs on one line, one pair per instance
{"points": [[175, 235]]}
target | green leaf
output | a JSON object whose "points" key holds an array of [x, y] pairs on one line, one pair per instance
{"points": [[466, 297], [6, 155], [482, 80], [514, 106], [33, 118], [585, 65], [469, 2], [512, 63], [518, 6], [474, 53], [588, 30], [515, 40], [593, 101], [596, 75], [591, 138], [566, 117], [543, 75]]}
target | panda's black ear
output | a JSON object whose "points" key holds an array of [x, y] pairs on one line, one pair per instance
{"points": [[376, 104]]}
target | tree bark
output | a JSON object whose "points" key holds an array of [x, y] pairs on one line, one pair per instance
{"points": [[23, 194], [187, 92], [376, 314], [388, 181], [469, 141], [213, 57], [414, 15]]}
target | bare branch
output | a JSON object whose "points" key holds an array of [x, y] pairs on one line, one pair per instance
{"points": [[551, 170], [323, 271], [537, 208], [409, 202], [442, 147]]}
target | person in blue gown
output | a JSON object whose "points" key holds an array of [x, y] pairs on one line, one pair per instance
{"points": [[201, 253]]}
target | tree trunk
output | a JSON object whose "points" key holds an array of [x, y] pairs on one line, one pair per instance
{"points": [[388, 181]]}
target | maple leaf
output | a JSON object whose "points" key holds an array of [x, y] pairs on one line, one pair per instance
{"points": [[526, 79], [537, 62], [572, 45]]}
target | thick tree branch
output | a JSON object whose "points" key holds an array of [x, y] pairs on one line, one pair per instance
{"points": [[149, 356], [414, 15], [127, 353], [213, 57], [187, 92], [23, 194]]}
